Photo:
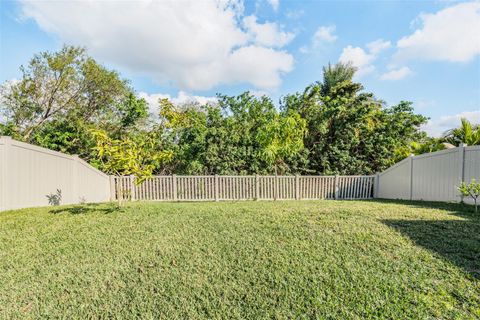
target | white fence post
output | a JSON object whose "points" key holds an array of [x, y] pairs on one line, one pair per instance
{"points": [[275, 187], [376, 185], [411, 175], [257, 187], [113, 195], [174, 187], [132, 187], [336, 187], [461, 160], [5, 197], [297, 187], [216, 187]]}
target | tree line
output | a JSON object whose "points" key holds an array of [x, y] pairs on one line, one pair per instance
{"points": [[68, 102]]}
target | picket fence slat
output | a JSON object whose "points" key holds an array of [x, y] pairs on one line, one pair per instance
{"points": [[237, 188]]}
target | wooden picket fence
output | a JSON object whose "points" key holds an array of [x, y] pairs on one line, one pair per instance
{"points": [[221, 188]]}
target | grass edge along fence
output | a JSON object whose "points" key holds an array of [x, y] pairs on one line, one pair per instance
{"points": [[236, 188]]}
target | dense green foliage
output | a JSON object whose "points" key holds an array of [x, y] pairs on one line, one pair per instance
{"points": [[242, 134], [244, 260], [349, 131], [332, 127], [64, 94], [127, 157]]}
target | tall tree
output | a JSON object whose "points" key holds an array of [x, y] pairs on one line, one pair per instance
{"points": [[61, 94], [349, 131]]}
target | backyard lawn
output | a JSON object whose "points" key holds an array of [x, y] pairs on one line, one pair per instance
{"points": [[250, 260]]}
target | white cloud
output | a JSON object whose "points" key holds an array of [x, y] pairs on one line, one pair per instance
{"points": [[266, 34], [263, 66], [375, 47], [181, 99], [193, 44], [363, 59], [359, 58], [396, 74], [436, 128], [451, 34], [324, 34], [274, 3]]}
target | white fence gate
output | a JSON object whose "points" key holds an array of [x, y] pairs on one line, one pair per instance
{"points": [[217, 188]]}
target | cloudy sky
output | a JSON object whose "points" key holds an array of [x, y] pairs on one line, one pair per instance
{"points": [[427, 52]]}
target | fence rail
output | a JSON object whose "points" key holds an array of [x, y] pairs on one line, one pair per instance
{"points": [[220, 188]]}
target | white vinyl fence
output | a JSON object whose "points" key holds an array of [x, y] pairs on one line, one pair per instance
{"points": [[30, 174], [217, 188], [432, 176]]}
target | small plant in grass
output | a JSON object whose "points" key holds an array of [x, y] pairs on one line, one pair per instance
{"points": [[55, 199], [471, 190]]}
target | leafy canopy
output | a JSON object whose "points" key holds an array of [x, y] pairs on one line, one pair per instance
{"points": [[68, 102]]}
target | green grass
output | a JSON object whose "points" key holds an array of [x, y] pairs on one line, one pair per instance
{"points": [[250, 260]]}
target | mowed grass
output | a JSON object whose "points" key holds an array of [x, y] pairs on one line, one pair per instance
{"points": [[243, 260]]}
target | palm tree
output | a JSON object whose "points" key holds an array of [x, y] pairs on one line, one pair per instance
{"points": [[333, 75], [467, 133]]}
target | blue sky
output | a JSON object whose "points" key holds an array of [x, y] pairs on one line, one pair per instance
{"points": [[427, 52]]}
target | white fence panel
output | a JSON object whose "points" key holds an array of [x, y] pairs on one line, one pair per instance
{"points": [[471, 165], [92, 184], [394, 183], [29, 174], [210, 188], [431, 177], [317, 187], [436, 176], [355, 187]]}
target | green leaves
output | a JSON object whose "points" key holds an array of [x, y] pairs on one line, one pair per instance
{"points": [[281, 138], [240, 135], [349, 131], [472, 190], [332, 127], [68, 87], [467, 133], [127, 157]]}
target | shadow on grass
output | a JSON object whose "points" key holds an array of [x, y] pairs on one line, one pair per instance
{"points": [[86, 208], [460, 209], [458, 241]]}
